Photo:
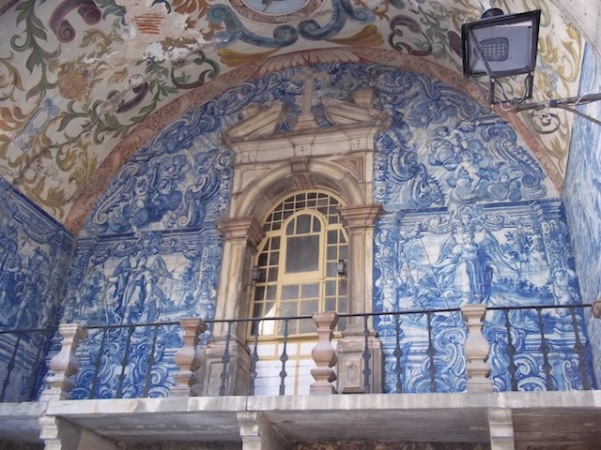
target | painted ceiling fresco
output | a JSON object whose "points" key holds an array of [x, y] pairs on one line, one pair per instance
{"points": [[85, 83]]}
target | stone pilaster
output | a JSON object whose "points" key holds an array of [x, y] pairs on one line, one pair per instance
{"points": [[64, 364], [258, 434], [359, 222], [500, 423], [225, 368], [476, 349], [225, 362], [359, 343], [240, 240]]}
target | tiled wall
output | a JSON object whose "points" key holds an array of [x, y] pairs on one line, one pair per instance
{"points": [[583, 197], [469, 216], [34, 252]]}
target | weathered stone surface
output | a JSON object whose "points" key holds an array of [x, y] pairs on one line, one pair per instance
{"points": [[363, 445]]}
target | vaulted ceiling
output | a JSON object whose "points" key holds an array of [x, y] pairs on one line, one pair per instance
{"points": [[84, 84]]}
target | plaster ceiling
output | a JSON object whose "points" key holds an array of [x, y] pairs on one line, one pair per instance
{"points": [[84, 83]]}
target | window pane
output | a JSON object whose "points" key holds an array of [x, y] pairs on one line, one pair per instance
{"points": [[302, 254], [269, 310], [288, 309], [275, 243], [330, 287], [331, 270], [308, 307], [259, 293], [270, 293], [306, 326], [290, 292], [303, 224], [316, 225], [258, 310], [330, 304], [332, 253], [263, 260], [332, 237], [310, 290]]}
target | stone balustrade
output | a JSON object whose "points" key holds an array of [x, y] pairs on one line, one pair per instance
{"points": [[476, 349], [325, 357], [187, 359], [64, 364], [324, 354]]}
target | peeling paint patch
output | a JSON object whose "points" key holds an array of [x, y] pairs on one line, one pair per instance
{"points": [[149, 23], [157, 33]]}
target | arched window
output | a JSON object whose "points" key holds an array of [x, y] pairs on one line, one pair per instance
{"points": [[300, 263]]}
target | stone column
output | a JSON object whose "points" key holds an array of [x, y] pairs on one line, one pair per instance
{"points": [[324, 354], [64, 364], [228, 347], [476, 349], [359, 222], [258, 434], [500, 422], [187, 359]]}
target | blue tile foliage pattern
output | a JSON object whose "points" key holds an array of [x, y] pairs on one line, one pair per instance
{"points": [[34, 249], [583, 197], [469, 217]]}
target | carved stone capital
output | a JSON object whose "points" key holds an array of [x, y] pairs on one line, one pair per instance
{"points": [[242, 228], [361, 216]]}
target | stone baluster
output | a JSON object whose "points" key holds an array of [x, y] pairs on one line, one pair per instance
{"points": [[187, 358], [64, 364], [597, 309], [476, 349], [324, 354]]}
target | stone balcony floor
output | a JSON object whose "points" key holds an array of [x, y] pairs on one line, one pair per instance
{"points": [[538, 417]]}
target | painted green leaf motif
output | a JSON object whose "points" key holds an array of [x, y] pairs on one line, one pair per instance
{"points": [[110, 7], [39, 57]]}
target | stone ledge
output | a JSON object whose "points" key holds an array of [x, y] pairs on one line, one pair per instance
{"points": [[537, 416]]}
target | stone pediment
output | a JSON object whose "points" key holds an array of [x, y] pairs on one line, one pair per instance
{"points": [[300, 157], [261, 123], [257, 122], [360, 112]]}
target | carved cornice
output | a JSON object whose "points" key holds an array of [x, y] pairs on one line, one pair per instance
{"points": [[360, 216], [242, 228]]}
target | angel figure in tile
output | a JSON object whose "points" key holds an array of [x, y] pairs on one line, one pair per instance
{"points": [[466, 266]]}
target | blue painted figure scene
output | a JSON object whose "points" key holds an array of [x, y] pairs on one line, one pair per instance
{"points": [[465, 268]]}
